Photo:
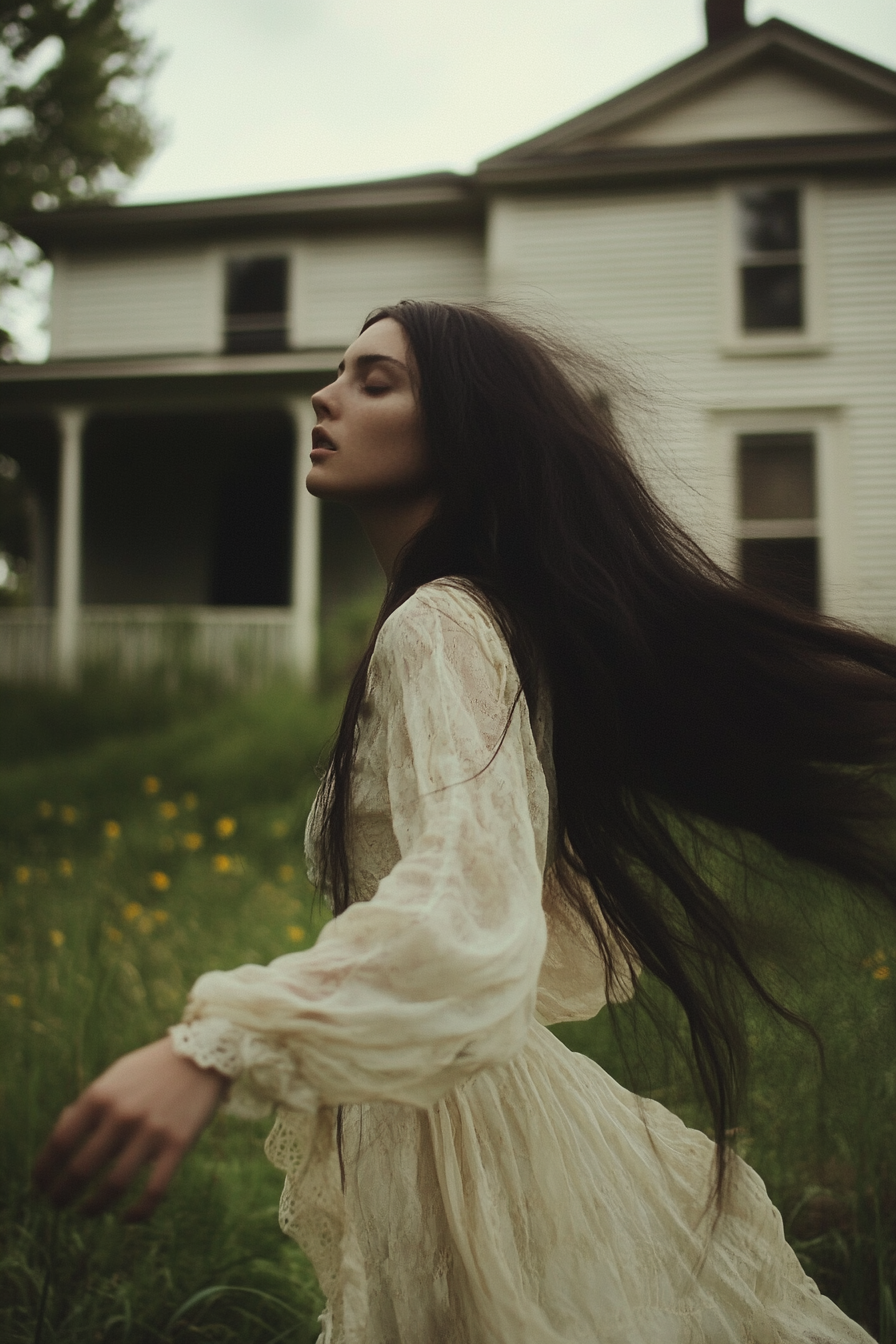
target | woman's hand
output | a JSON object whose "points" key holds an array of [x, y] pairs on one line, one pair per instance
{"points": [[149, 1108]]}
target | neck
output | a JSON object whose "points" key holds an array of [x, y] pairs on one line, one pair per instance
{"points": [[390, 524]]}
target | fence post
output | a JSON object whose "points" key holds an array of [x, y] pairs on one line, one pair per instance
{"points": [[304, 632], [68, 542]]}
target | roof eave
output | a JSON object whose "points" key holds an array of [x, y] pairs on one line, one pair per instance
{"points": [[663, 162], [434, 197]]}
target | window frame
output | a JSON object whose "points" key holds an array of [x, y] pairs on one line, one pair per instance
{"points": [[734, 341], [254, 252], [833, 523]]}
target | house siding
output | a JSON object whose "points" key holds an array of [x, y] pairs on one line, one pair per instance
{"points": [[637, 275], [338, 280], [147, 302]]}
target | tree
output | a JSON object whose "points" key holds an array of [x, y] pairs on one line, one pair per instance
{"points": [[73, 126]]}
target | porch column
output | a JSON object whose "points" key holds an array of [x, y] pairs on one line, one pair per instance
{"points": [[71, 421], [305, 550]]}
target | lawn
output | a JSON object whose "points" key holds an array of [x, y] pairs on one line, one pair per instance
{"points": [[140, 857]]}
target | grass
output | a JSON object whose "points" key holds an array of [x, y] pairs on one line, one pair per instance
{"points": [[171, 843]]}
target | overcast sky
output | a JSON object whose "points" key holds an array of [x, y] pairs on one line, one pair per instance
{"points": [[269, 93], [259, 94]]}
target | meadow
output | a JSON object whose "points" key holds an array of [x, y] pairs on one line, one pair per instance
{"points": [[166, 839]]}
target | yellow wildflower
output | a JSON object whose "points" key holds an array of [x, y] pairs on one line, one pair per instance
{"points": [[23, 875], [191, 802], [193, 841], [14, 1000], [114, 935], [222, 863], [66, 868], [168, 811], [286, 872], [151, 784], [133, 910], [225, 826], [160, 916], [57, 937], [68, 814], [279, 829], [111, 830], [295, 933], [882, 973], [45, 810], [145, 924], [159, 881]]}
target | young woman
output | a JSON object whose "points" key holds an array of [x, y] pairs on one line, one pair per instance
{"points": [[563, 701]]}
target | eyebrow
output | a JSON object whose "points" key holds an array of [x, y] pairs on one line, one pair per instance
{"points": [[367, 360]]}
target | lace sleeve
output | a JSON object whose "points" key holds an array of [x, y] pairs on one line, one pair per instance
{"points": [[405, 995]]}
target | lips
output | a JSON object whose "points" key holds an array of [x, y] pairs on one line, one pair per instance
{"points": [[320, 439]]}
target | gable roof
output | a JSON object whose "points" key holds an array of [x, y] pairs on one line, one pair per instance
{"points": [[686, 118]]}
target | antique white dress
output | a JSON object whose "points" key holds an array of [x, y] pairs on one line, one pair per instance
{"points": [[498, 1189]]}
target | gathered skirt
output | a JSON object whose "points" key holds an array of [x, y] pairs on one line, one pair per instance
{"points": [[539, 1203]]}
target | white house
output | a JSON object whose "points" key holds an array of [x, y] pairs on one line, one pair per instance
{"points": [[728, 226]]}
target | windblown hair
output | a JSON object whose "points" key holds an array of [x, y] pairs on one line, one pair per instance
{"points": [[680, 697]]}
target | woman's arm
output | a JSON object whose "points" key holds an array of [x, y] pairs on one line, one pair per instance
{"points": [[406, 995], [148, 1109], [403, 996]]}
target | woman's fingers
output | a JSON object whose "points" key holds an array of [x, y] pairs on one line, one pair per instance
{"points": [[72, 1127], [159, 1180], [114, 1133], [150, 1105], [144, 1147]]}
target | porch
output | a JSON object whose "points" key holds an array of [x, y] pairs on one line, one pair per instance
{"points": [[167, 518]]}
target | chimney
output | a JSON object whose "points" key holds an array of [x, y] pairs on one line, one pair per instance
{"points": [[724, 18]]}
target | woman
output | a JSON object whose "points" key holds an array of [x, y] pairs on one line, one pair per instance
{"points": [[563, 700]]}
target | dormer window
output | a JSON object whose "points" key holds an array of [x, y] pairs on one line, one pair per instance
{"points": [[256, 305], [771, 260]]}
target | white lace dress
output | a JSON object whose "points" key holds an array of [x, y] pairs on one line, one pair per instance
{"points": [[498, 1188]]}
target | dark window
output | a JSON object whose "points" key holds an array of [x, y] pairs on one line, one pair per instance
{"points": [[256, 305], [771, 264], [778, 515]]}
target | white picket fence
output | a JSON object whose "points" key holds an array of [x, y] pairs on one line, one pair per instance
{"points": [[242, 645]]}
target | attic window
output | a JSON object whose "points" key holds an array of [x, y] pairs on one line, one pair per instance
{"points": [[778, 522], [255, 319], [771, 261]]}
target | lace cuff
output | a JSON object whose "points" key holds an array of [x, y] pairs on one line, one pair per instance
{"points": [[264, 1073]]}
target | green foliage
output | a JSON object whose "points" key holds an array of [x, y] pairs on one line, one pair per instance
{"points": [[127, 870], [72, 76], [134, 862]]}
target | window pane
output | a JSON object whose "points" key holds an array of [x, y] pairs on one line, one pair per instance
{"points": [[772, 298], [770, 220], [777, 476], [786, 566], [256, 285]]}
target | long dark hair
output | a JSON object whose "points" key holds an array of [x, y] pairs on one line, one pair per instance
{"points": [[682, 700]]}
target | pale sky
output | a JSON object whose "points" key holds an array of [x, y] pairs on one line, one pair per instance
{"points": [[261, 94], [269, 93]]}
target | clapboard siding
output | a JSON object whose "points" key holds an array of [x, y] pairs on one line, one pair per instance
{"points": [[142, 303], [338, 280], [638, 275], [769, 102]]}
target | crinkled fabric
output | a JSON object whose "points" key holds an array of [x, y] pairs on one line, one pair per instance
{"points": [[498, 1188]]}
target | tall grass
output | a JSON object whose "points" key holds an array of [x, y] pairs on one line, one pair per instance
{"points": [[136, 860]]}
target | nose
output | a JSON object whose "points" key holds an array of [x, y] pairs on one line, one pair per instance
{"points": [[321, 402]]}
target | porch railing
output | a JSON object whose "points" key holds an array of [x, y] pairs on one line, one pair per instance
{"points": [[241, 645]]}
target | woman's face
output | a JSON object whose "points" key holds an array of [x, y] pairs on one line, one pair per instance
{"points": [[368, 442]]}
